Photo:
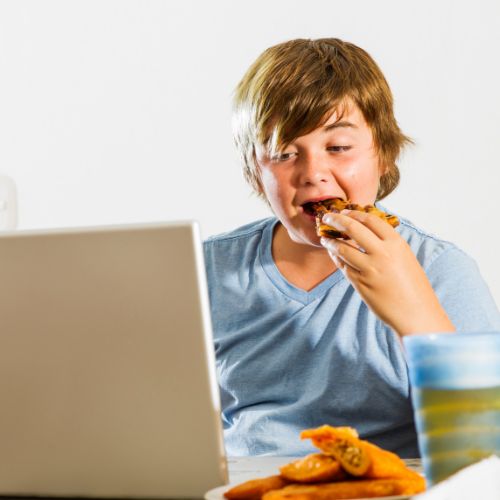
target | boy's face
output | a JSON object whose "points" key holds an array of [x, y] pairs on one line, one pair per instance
{"points": [[337, 159]]}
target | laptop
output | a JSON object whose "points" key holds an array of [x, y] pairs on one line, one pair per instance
{"points": [[107, 368]]}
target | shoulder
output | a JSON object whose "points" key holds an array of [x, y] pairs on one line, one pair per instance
{"points": [[237, 246], [455, 277], [240, 234], [429, 248]]}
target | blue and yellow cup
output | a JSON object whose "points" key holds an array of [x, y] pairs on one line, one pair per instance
{"points": [[455, 381]]}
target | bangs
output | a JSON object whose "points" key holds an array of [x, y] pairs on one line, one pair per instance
{"points": [[301, 119]]}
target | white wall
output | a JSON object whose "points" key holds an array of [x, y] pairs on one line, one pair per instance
{"points": [[119, 111]]}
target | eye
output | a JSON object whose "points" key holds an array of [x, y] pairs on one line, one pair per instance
{"points": [[282, 157], [338, 149]]}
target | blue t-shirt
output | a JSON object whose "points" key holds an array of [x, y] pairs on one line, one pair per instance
{"points": [[288, 359]]}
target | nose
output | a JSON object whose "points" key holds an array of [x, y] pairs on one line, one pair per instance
{"points": [[313, 170]]}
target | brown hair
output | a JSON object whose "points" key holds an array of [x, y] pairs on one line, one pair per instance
{"points": [[292, 88]]}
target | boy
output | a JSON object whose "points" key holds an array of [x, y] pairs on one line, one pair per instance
{"points": [[307, 330]]}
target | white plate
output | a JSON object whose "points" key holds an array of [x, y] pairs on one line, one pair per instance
{"points": [[218, 494]]}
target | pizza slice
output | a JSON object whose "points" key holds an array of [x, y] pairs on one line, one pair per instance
{"points": [[336, 205]]}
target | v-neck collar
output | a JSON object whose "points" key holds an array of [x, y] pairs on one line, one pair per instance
{"points": [[273, 273]]}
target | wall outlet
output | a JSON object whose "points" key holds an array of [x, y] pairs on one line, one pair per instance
{"points": [[8, 204]]}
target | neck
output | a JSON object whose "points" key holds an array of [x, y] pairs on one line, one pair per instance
{"points": [[305, 266]]}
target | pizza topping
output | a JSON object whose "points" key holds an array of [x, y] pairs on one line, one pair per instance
{"points": [[336, 205]]}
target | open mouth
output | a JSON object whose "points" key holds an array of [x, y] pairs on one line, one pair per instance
{"points": [[329, 205]]}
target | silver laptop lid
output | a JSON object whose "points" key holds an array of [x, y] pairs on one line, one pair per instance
{"points": [[107, 369]]}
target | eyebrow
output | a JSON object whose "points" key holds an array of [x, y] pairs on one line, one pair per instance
{"points": [[340, 124]]}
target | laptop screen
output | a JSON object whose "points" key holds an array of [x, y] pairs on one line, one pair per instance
{"points": [[107, 371]]}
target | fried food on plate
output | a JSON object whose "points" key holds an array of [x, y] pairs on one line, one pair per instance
{"points": [[320, 208], [347, 468], [358, 457], [362, 488], [256, 488], [314, 468]]}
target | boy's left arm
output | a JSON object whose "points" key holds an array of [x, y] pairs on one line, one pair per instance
{"points": [[383, 269]]}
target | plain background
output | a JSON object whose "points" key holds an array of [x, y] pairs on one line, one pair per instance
{"points": [[119, 111]]}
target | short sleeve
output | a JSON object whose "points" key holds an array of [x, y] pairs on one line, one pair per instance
{"points": [[462, 291]]}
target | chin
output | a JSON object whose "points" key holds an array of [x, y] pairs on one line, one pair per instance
{"points": [[318, 245], [315, 242], [303, 234], [307, 238]]}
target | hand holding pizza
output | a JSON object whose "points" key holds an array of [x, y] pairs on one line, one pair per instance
{"points": [[385, 272]]}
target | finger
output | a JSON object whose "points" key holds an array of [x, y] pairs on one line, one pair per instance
{"points": [[353, 275], [346, 253], [363, 236], [377, 225], [339, 263]]}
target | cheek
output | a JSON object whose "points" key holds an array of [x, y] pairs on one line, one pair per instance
{"points": [[358, 172], [360, 177], [270, 183], [275, 192]]}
